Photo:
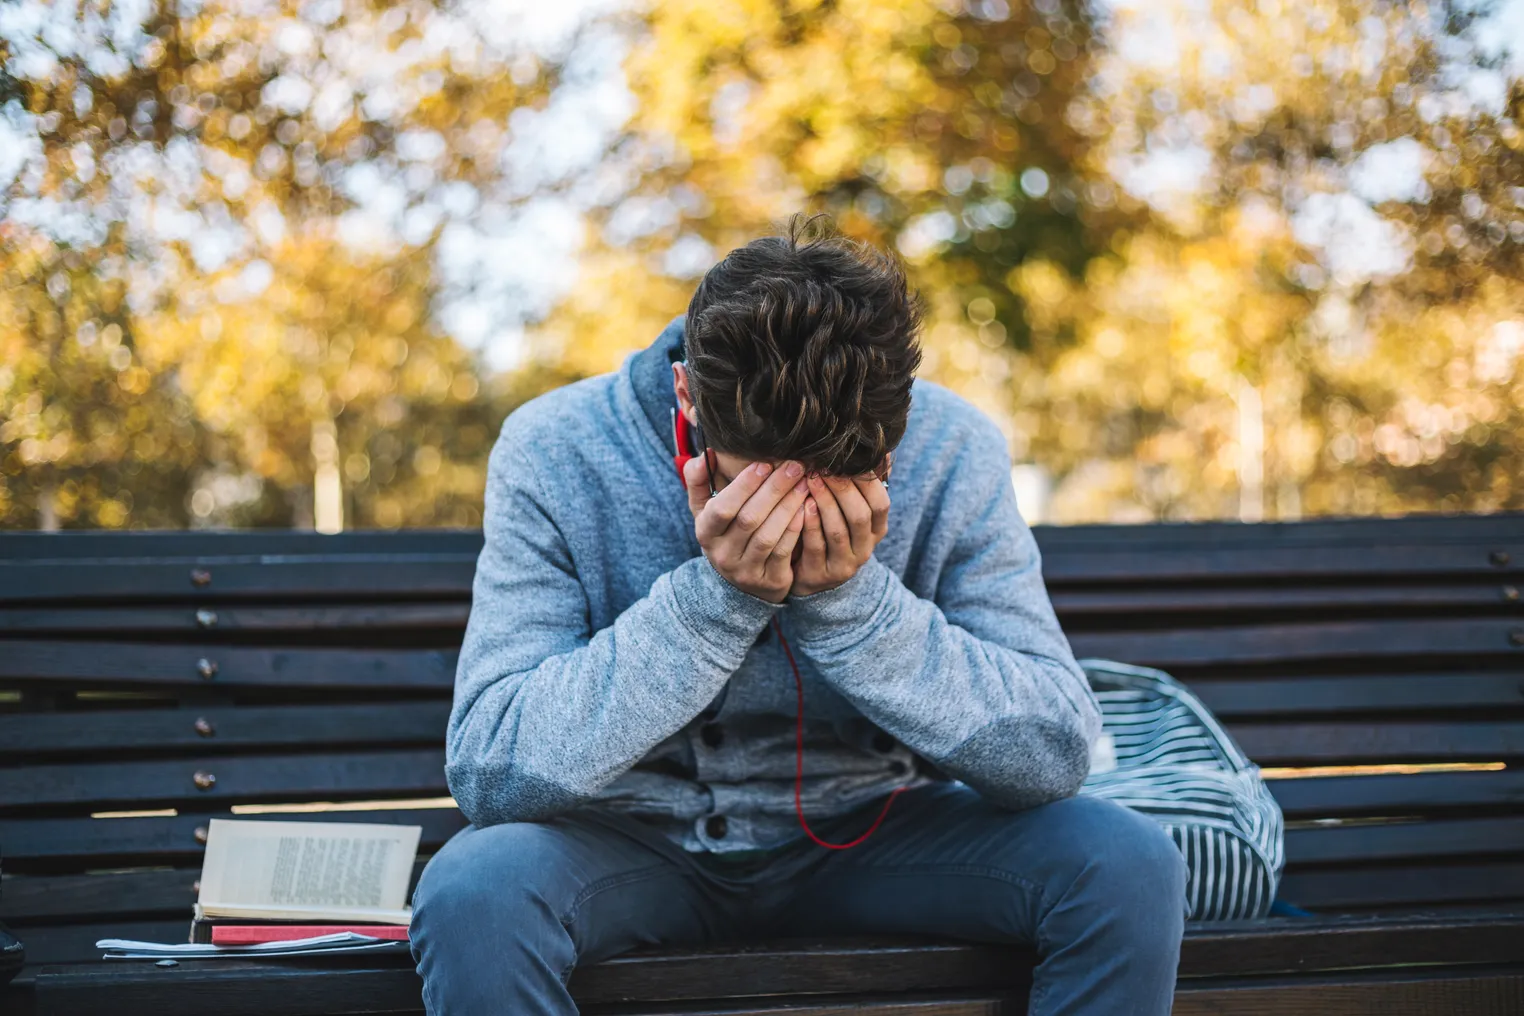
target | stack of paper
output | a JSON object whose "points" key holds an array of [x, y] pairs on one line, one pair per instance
{"points": [[324, 945], [307, 871], [295, 889]]}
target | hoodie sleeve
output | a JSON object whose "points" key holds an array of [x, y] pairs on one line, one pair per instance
{"points": [[979, 680], [547, 712]]}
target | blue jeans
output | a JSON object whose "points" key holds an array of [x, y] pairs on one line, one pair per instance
{"points": [[503, 914]]}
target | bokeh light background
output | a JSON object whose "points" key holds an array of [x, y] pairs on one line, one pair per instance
{"points": [[276, 263]]}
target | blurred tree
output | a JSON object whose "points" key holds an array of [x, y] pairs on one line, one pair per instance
{"points": [[934, 126], [219, 247], [1200, 260], [1327, 304], [89, 435]]}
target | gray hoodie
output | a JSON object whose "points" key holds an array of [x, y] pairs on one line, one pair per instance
{"points": [[606, 660]]}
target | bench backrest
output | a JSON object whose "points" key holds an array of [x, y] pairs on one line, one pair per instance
{"points": [[149, 682]]}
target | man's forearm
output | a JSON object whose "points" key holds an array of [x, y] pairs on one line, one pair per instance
{"points": [[539, 727], [1013, 718]]}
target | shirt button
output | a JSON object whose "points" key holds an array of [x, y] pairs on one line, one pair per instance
{"points": [[712, 734], [716, 827]]}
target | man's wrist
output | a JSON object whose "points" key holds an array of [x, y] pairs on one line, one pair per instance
{"points": [[839, 611], [716, 611]]}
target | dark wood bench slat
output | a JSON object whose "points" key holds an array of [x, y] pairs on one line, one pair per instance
{"points": [[129, 895], [1500, 527], [1212, 949], [170, 840], [1276, 643], [223, 728], [1414, 528], [1360, 993], [1354, 531], [29, 899], [222, 543], [125, 664], [52, 581], [1076, 604], [376, 577], [1350, 994], [1187, 563], [242, 779], [75, 943], [138, 895], [1072, 606], [238, 780], [1364, 843], [38, 580], [1415, 885], [1307, 696], [1235, 948], [1286, 945], [837, 967], [1407, 794], [360, 619], [1390, 741], [33, 844]]}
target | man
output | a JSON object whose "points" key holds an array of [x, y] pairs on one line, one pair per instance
{"points": [[623, 738]]}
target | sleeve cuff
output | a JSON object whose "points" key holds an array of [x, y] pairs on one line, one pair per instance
{"points": [[839, 612], [715, 610]]}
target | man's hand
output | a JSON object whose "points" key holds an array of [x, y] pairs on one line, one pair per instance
{"points": [[749, 529], [844, 518]]}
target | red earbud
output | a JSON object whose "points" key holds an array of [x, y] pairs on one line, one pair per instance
{"points": [[680, 442]]}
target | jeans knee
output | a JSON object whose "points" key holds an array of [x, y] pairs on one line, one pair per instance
{"points": [[500, 875], [1135, 859], [1124, 861]]}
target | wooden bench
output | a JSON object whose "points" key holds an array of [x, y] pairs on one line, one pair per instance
{"points": [[183, 676]]}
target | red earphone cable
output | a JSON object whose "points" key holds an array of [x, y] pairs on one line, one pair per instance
{"points": [[799, 760]]}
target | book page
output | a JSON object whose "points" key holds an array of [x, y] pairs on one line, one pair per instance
{"points": [[304, 869]]}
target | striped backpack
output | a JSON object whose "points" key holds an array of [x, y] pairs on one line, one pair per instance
{"points": [[1163, 754]]}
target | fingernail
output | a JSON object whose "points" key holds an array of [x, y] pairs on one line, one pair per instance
{"points": [[793, 469], [814, 479], [763, 468], [799, 488], [809, 506]]}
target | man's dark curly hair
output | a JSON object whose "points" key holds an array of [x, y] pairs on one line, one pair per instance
{"points": [[804, 346]]}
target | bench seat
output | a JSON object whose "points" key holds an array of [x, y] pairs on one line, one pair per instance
{"points": [[1374, 667], [1457, 963]]}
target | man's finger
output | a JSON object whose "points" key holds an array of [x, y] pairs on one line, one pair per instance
{"points": [[722, 508], [854, 508], [877, 495], [696, 479], [838, 537], [759, 507], [813, 537], [784, 548], [778, 520], [780, 564]]}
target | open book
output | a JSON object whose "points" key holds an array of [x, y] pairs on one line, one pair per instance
{"points": [[312, 872]]}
